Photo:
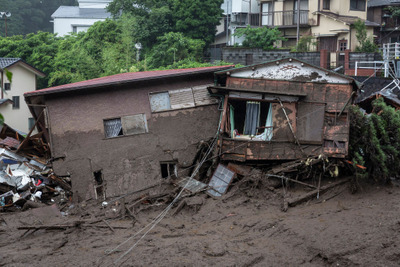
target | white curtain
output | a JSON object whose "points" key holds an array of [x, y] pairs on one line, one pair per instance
{"points": [[251, 122], [268, 125], [112, 127]]}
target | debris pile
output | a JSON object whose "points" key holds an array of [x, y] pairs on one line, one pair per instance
{"points": [[25, 178]]}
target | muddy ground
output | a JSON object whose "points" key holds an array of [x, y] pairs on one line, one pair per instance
{"points": [[245, 228]]}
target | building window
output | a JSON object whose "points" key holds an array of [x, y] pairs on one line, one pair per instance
{"points": [[31, 123], [342, 45], [358, 5], [250, 120], [15, 100], [326, 4], [127, 125], [181, 98], [266, 14], [159, 101], [74, 29], [7, 86]]}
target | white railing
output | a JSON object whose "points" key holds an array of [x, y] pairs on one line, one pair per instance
{"points": [[391, 51], [375, 65]]}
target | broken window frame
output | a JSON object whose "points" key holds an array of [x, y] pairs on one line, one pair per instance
{"points": [[123, 128]]}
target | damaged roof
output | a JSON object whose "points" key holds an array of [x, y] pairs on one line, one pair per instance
{"points": [[289, 69], [125, 78]]}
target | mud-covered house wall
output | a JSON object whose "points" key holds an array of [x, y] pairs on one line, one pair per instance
{"points": [[128, 162], [307, 106]]}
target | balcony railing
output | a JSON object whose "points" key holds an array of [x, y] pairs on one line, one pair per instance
{"points": [[284, 18], [276, 18]]}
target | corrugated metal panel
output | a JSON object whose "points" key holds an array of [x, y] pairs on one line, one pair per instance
{"points": [[134, 124], [182, 98], [202, 97], [310, 121]]}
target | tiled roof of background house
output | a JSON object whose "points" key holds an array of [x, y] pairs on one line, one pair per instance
{"points": [[5, 100], [6, 61], [374, 3], [76, 12], [349, 20], [124, 78]]}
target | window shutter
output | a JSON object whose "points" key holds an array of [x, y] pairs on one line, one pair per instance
{"points": [[202, 97], [134, 124], [182, 98], [159, 101]]}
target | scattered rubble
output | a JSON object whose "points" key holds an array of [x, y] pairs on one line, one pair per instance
{"points": [[25, 178]]}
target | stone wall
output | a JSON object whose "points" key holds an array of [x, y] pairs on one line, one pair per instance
{"points": [[360, 56], [249, 56]]}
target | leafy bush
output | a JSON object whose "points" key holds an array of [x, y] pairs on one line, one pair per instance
{"points": [[375, 141], [366, 44], [305, 44], [261, 37]]}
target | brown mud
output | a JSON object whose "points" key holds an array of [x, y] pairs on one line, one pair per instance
{"points": [[245, 228]]}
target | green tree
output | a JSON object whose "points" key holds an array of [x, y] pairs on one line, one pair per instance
{"points": [[375, 141], [173, 47], [28, 16], [262, 37], [366, 44], [38, 49], [197, 19]]}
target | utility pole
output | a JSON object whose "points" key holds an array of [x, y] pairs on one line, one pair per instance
{"points": [[5, 15], [228, 2], [298, 22]]}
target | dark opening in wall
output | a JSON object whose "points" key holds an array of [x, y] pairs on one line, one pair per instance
{"points": [[99, 185], [168, 170]]}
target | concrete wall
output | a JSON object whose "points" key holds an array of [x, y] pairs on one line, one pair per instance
{"points": [[132, 162], [238, 55], [23, 81], [359, 56], [64, 26]]}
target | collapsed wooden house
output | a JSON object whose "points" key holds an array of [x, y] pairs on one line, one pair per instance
{"points": [[283, 110]]}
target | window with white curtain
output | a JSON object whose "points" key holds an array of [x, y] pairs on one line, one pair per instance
{"points": [[126, 125]]}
